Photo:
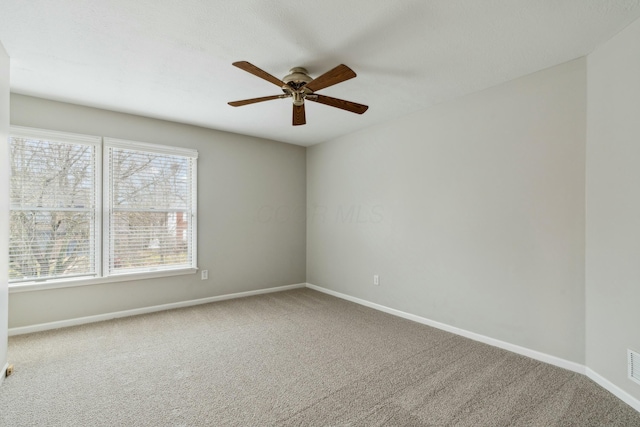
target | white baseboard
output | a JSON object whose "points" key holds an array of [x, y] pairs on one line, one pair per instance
{"points": [[617, 391], [537, 355], [133, 312], [543, 357], [3, 373]]}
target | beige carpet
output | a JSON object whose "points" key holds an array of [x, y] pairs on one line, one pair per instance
{"points": [[295, 358]]}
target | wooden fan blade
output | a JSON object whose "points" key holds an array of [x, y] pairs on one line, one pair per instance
{"points": [[339, 103], [250, 68], [331, 77], [298, 115], [254, 100]]}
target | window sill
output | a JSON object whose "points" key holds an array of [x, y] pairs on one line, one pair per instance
{"points": [[84, 281]]}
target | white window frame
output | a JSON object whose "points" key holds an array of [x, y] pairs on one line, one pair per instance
{"points": [[101, 181], [149, 148], [67, 138]]}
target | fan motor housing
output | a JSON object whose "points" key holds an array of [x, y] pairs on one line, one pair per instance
{"points": [[297, 78]]}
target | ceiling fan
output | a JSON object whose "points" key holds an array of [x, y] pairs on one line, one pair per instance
{"points": [[299, 86]]}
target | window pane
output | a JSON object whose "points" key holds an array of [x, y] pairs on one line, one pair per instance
{"points": [[52, 174], [45, 244], [149, 180], [151, 209], [52, 203], [143, 240]]}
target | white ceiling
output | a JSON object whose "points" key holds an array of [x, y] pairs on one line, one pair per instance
{"points": [[172, 59]]}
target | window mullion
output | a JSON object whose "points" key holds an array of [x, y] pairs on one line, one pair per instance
{"points": [[97, 224], [107, 246]]}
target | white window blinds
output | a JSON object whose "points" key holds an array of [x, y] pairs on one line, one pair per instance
{"points": [[53, 201], [150, 207]]}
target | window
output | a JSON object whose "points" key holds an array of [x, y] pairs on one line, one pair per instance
{"points": [[82, 207], [53, 204], [150, 200]]}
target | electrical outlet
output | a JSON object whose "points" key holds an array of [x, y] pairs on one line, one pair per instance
{"points": [[376, 280], [205, 274]]}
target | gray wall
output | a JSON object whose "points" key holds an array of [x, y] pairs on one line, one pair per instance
{"points": [[243, 182], [4, 203], [613, 207], [471, 212]]}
